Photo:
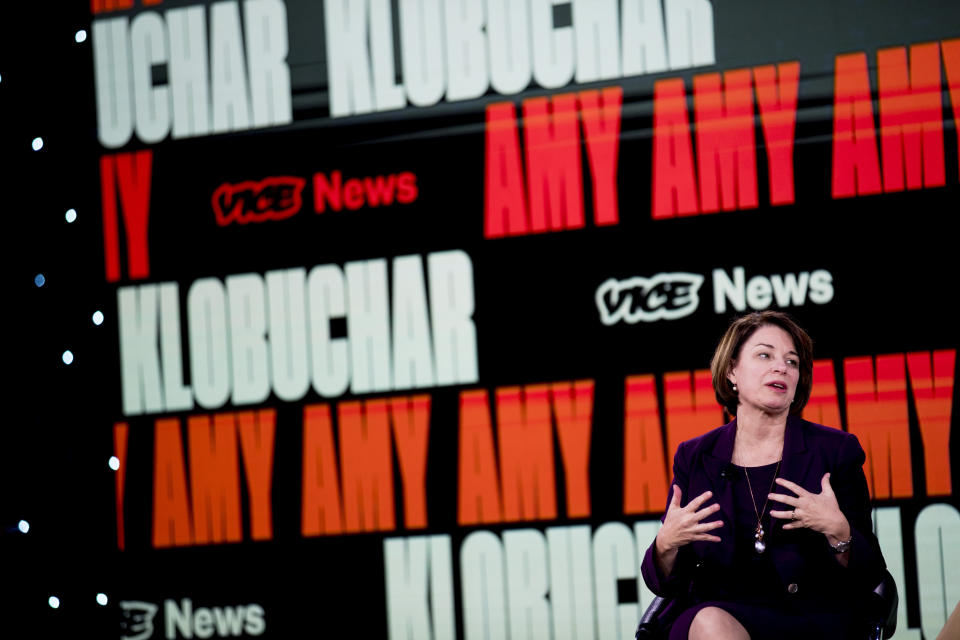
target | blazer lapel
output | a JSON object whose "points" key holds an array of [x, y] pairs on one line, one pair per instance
{"points": [[716, 462], [796, 461]]}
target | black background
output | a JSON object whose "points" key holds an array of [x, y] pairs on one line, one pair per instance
{"points": [[892, 256]]}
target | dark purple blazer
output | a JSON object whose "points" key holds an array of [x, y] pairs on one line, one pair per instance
{"points": [[802, 557]]}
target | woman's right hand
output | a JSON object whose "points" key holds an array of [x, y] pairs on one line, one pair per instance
{"points": [[682, 525]]}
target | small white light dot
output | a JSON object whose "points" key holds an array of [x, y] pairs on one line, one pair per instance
{"points": [[81, 35], [37, 143], [102, 599], [53, 601], [1, 78], [24, 526], [114, 462], [39, 280], [67, 356], [98, 318], [71, 215]]}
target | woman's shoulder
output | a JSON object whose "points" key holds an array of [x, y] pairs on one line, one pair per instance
{"points": [[833, 439], [820, 432], [707, 441]]}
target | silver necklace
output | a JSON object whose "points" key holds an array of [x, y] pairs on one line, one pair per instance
{"points": [[758, 543]]}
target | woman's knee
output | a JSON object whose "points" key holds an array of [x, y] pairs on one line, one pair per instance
{"points": [[714, 622]]}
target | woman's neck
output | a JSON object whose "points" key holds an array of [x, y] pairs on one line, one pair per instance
{"points": [[759, 438]]}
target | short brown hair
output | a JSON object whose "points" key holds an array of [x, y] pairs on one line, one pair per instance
{"points": [[729, 350]]}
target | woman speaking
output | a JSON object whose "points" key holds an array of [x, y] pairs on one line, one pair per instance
{"points": [[767, 532]]}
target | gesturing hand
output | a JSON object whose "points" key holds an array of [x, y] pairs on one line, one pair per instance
{"points": [[681, 525], [817, 511]]}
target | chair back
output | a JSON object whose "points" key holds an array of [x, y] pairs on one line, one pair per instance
{"points": [[882, 608], [658, 618]]}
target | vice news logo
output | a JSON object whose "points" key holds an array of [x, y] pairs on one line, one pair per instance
{"points": [[136, 619], [274, 198], [668, 296], [665, 296], [182, 620]]}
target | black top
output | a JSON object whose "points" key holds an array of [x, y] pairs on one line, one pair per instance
{"points": [[753, 577]]}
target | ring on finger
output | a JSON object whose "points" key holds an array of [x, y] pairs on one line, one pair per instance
{"points": [[793, 514]]}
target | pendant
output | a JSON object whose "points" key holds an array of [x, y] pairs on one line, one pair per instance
{"points": [[759, 545]]}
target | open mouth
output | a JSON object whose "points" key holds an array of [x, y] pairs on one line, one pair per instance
{"points": [[779, 386]]}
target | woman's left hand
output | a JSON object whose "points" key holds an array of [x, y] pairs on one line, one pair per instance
{"points": [[817, 511]]}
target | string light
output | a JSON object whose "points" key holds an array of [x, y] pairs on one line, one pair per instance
{"points": [[102, 599], [98, 318], [71, 215], [24, 526], [54, 602], [67, 357], [81, 35], [37, 143], [39, 280], [114, 463]]}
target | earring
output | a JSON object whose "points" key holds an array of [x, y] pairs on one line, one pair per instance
{"points": [[734, 387]]}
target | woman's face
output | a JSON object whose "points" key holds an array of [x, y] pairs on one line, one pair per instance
{"points": [[767, 370]]}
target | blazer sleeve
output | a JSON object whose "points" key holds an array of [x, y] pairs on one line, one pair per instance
{"points": [[678, 582], [850, 486]]}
